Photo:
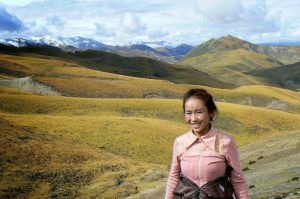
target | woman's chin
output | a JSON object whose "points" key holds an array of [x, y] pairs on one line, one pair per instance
{"points": [[197, 130]]}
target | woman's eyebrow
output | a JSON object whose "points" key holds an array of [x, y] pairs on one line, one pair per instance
{"points": [[200, 109]]}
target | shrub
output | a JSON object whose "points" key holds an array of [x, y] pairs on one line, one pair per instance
{"points": [[260, 157], [245, 169], [252, 162]]}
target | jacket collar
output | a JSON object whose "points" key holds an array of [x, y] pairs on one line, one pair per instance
{"points": [[208, 139]]}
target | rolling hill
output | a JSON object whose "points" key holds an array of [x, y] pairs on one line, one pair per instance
{"points": [[131, 66], [287, 76], [71, 79], [56, 146], [228, 57]]}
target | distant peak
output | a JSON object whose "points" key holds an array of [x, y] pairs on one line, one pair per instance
{"points": [[230, 37]]}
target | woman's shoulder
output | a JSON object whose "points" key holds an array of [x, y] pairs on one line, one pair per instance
{"points": [[224, 137], [183, 137]]}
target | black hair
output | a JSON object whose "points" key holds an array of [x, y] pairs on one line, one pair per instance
{"points": [[203, 95]]}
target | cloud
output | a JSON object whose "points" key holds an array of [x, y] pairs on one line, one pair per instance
{"points": [[19, 2], [103, 30], [132, 24], [175, 21], [255, 18], [56, 21], [220, 11], [9, 22], [157, 34], [237, 17]]}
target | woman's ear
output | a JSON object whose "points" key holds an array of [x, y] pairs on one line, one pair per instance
{"points": [[211, 115]]}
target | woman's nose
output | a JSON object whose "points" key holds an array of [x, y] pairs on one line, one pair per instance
{"points": [[193, 117]]}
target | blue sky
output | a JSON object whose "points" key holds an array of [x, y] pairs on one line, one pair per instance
{"points": [[132, 21]]}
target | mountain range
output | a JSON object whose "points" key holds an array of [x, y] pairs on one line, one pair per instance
{"points": [[160, 52], [226, 59]]}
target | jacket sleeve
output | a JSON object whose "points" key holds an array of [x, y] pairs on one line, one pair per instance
{"points": [[174, 172], [237, 178]]}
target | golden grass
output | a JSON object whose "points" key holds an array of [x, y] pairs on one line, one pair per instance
{"points": [[39, 164], [137, 138], [237, 57], [109, 143], [251, 123], [278, 93], [228, 65], [5, 77], [73, 80], [156, 119]]}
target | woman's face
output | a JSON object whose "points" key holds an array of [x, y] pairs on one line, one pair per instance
{"points": [[197, 115]]}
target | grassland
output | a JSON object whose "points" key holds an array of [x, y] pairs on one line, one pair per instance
{"points": [[105, 148], [157, 119], [228, 65], [75, 80], [105, 138], [39, 164]]}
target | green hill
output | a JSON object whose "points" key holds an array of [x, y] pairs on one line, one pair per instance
{"points": [[227, 58], [113, 63], [287, 76]]}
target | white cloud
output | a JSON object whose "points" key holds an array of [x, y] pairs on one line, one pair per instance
{"points": [[157, 34], [132, 24], [220, 11], [56, 22], [176, 21], [104, 30], [18, 2]]}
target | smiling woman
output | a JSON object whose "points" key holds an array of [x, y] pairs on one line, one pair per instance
{"points": [[205, 160]]}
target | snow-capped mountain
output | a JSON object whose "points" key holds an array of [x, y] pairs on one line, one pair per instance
{"points": [[85, 43], [157, 50], [50, 41], [59, 42], [17, 42]]}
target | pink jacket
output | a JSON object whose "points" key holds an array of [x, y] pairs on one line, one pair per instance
{"points": [[203, 159]]}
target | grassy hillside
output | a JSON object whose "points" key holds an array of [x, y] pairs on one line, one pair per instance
{"points": [[74, 80], [277, 154], [55, 146], [125, 115], [39, 164], [131, 66], [227, 57], [287, 76]]}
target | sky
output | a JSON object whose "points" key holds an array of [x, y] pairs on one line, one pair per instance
{"points": [[123, 22]]}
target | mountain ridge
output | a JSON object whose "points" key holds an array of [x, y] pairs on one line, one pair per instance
{"points": [[170, 54], [228, 58]]}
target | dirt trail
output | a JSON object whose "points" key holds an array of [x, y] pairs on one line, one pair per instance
{"points": [[273, 173], [28, 84]]}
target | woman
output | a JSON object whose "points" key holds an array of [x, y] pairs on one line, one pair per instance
{"points": [[203, 154]]}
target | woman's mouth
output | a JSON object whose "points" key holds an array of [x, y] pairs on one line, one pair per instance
{"points": [[196, 125]]}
